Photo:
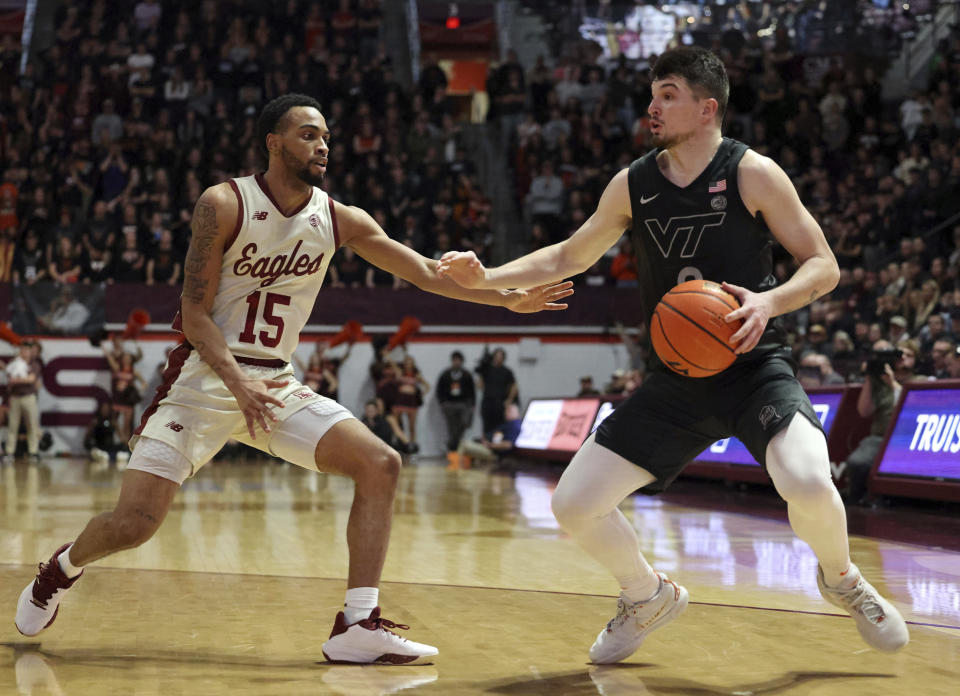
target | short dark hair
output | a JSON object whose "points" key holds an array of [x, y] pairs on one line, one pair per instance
{"points": [[701, 69], [456, 354], [275, 111]]}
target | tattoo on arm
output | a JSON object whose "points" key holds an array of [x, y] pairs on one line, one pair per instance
{"points": [[204, 228], [212, 359], [813, 295], [146, 515]]}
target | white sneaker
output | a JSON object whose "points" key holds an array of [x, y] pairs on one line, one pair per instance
{"points": [[34, 675], [614, 680], [350, 680], [98, 455], [370, 640], [40, 600], [634, 621], [879, 622], [122, 458]]}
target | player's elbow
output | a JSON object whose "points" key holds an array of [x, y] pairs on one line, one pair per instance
{"points": [[832, 273]]}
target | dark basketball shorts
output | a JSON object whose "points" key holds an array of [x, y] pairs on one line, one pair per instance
{"points": [[670, 419]]}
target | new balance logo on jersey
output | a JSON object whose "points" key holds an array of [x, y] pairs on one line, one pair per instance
{"points": [[259, 215], [174, 426], [692, 225], [270, 268]]}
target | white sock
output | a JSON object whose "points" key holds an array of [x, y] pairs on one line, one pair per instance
{"points": [[359, 602], [844, 580], [70, 570], [641, 588]]}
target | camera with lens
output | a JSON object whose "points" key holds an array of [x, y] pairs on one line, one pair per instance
{"points": [[880, 358]]}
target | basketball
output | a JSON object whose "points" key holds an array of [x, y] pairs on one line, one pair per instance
{"points": [[688, 330]]}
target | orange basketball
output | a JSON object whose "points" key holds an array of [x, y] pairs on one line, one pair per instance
{"points": [[688, 330]]}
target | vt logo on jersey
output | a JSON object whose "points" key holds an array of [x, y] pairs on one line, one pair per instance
{"points": [[270, 268], [692, 225]]}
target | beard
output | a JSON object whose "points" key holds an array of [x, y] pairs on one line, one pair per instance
{"points": [[300, 169], [669, 141]]}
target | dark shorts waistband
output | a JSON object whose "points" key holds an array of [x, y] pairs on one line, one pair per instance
{"points": [[260, 362], [256, 362]]}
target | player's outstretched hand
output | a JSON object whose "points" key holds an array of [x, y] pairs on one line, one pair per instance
{"points": [[540, 298], [755, 312], [253, 398], [463, 268]]}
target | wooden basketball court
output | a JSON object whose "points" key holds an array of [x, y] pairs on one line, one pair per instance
{"points": [[239, 588]]}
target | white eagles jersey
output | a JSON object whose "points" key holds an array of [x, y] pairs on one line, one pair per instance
{"points": [[272, 270]]}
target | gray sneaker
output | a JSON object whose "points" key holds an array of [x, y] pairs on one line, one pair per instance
{"points": [[879, 622], [625, 632]]}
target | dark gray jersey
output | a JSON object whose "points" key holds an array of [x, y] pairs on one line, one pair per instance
{"points": [[701, 231]]}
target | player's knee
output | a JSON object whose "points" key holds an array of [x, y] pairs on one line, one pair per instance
{"points": [[379, 469], [390, 465], [807, 488], [561, 509], [568, 510]]}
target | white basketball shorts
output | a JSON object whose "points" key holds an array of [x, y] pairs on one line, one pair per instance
{"points": [[194, 413]]}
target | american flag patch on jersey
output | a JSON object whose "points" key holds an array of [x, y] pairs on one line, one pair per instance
{"points": [[717, 186]]}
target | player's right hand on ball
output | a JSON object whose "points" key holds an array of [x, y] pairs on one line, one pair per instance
{"points": [[463, 268], [254, 400]]}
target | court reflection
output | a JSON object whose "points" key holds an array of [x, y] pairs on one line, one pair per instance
{"points": [[635, 680]]}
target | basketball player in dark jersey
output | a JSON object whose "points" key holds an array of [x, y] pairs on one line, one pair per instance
{"points": [[700, 206]]}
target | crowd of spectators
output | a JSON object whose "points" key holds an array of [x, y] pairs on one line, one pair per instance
{"points": [[110, 135], [880, 177], [879, 27]]}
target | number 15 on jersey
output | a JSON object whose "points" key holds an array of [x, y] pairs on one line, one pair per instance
{"points": [[270, 300]]}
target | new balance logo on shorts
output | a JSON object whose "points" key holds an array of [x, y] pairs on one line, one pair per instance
{"points": [[174, 426], [305, 394], [259, 215]]}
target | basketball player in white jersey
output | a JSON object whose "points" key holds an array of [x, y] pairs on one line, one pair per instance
{"points": [[259, 251]]}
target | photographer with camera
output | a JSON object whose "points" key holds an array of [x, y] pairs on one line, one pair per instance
{"points": [[885, 371]]}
